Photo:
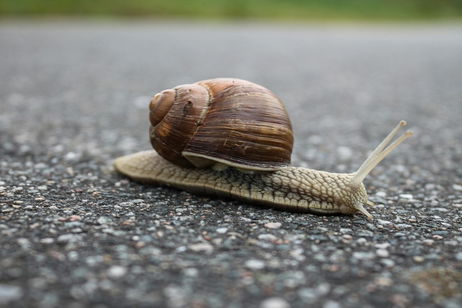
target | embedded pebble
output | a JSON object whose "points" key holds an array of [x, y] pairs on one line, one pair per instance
{"points": [[383, 253], [47, 240], [116, 271], [275, 302], [103, 220], [267, 237], [331, 304], [344, 153], [387, 262], [382, 245], [347, 237], [406, 196], [222, 230], [64, 238], [384, 222], [428, 242], [273, 225], [254, 264], [9, 293], [459, 256], [363, 255], [201, 247]]}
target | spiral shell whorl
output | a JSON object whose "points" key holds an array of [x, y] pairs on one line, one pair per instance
{"points": [[177, 127], [159, 106]]}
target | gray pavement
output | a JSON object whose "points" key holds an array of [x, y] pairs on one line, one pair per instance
{"points": [[73, 96]]}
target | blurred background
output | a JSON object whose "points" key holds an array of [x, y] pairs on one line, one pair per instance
{"points": [[76, 78], [287, 10]]}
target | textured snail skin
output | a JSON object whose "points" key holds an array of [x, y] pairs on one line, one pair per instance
{"points": [[290, 188]]}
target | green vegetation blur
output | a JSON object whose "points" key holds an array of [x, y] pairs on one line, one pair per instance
{"points": [[239, 9]]}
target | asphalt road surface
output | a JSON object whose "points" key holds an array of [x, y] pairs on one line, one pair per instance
{"points": [[73, 233]]}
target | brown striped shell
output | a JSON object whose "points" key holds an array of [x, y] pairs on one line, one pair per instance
{"points": [[229, 121]]}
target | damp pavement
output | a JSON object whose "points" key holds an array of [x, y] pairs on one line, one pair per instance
{"points": [[73, 233]]}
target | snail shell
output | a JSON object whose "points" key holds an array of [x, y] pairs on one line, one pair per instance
{"points": [[226, 121]]}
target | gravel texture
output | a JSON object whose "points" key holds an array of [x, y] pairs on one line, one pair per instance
{"points": [[73, 233]]}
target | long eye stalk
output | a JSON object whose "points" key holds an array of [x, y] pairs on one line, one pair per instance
{"points": [[380, 152]]}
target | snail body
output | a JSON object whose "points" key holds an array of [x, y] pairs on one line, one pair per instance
{"points": [[233, 138], [290, 188]]}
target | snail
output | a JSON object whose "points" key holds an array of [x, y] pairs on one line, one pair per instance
{"points": [[233, 138]]}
